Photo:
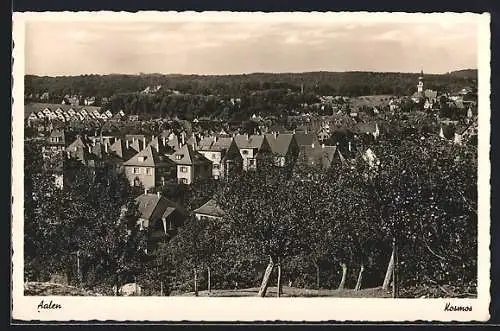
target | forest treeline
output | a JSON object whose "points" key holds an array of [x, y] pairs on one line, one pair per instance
{"points": [[324, 83]]}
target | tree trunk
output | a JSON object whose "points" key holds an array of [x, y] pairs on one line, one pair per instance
{"points": [[195, 283], [116, 285], [344, 276], [265, 279], [388, 274], [317, 275], [360, 278], [395, 278], [279, 291], [209, 280], [79, 271]]}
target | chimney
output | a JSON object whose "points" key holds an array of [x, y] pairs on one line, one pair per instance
{"points": [[158, 194], [182, 138], [145, 191], [157, 147], [106, 148], [133, 140], [90, 149], [163, 139], [144, 142], [215, 139], [350, 148], [126, 143]]}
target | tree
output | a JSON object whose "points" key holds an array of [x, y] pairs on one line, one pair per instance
{"points": [[83, 231], [266, 209], [426, 197]]}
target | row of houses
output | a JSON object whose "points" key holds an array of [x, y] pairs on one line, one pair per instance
{"points": [[40, 113], [156, 160]]}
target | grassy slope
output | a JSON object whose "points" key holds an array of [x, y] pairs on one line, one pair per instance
{"points": [[298, 292], [42, 289]]}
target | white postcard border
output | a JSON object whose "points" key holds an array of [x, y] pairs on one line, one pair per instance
{"points": [[249, 309]]}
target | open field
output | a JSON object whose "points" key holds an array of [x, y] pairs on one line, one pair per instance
{"points": [[370, 100]]}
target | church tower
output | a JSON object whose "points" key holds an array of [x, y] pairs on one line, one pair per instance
{"points": [[420, 85]]}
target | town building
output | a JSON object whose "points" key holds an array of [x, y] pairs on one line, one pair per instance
{"points": [[160, 217], [284, 148], [149, 168], [209, 210], [191, 165], [221, 151], [250, 146]]}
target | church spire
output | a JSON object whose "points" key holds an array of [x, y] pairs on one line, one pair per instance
{"points": [[420, 85]]}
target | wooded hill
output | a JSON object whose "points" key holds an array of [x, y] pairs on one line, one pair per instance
{"points": [[354, 83]]}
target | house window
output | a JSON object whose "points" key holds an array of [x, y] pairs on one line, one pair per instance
{"points": [[213, 156], [251, 162], [136, 171], [178, 157], [184, 181], [141, 158], [216, 166], [149, 171], [245, 152], [183, 169]]}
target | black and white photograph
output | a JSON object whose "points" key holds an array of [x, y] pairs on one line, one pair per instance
{"points": [[251, 166]]}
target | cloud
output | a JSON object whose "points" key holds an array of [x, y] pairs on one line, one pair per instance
{"points": [[235, 47]]}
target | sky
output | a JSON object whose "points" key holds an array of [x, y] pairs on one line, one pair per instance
{"points": [[56, 48]]}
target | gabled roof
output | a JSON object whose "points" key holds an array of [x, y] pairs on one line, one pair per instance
{"points": [[214, 143], [153, 207], [185, 155], [210, 208], [119, 148], [305, 139], [36, 106], [78, 143], [193, 141], [158, 145], [150, 158], [248, 141], [320, 155], [138, 145], [97, 151], [173, 141], [280, 144]]}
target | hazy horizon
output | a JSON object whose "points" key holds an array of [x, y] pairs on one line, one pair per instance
{"points": [[72, 48], [246, 73]]}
